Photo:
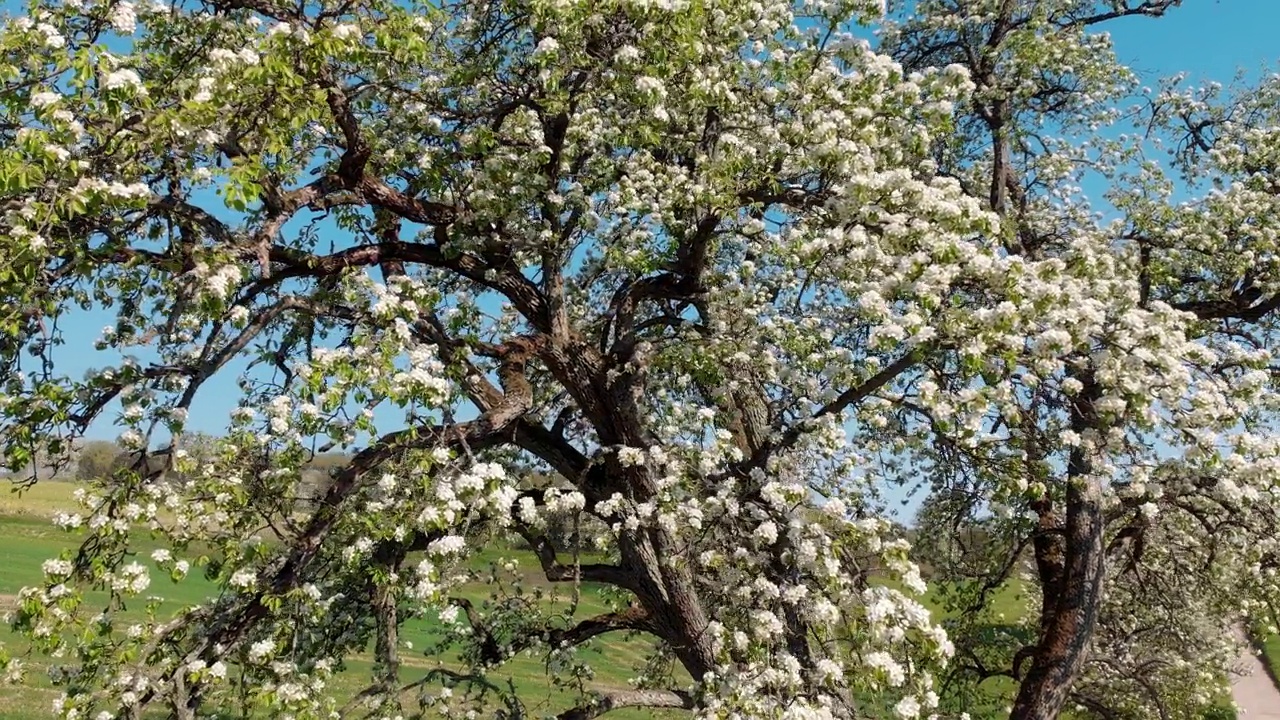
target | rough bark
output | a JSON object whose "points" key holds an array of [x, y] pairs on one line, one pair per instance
{"points": [[1073, 600]]}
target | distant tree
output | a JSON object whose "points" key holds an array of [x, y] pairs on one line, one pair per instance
{"points": [[136, 462], [318, 473], [328, 462], [946, 532], [97, 459], [196, 450]]}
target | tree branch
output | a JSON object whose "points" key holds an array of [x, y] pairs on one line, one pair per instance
{"points": [[492, 652], [1239, 307], [840, 404], [608, 702], [1149, 8], [555, 571]]}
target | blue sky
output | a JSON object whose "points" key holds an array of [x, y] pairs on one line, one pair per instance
{"points": [[1209, 39]]}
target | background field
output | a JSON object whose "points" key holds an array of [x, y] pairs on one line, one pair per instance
{"points": [[27, 539]]}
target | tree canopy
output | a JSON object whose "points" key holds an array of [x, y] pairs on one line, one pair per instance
{"points": [[723, 272], [96, 459]]}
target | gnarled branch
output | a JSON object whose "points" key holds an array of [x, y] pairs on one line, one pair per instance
{"points": [[608, 702]]}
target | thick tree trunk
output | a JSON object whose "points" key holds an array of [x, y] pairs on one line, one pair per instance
{"points": [[1073, 613], [387, 646], [668, 595], [664, 584], [1073, 599]]}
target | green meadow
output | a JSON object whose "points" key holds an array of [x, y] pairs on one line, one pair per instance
{"points": [[28, 538]]}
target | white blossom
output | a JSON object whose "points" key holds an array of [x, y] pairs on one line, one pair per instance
{"points": [[123, 78], [123, 18], [44, 99], [546, 46], [261, 650]]}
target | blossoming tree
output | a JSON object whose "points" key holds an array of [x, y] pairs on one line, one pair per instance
{"points": [[1128, 460], [719, 269]]}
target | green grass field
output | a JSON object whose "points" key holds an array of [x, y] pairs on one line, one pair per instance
{"points": [[28, 538], [1271, 652], [1270, 645]]}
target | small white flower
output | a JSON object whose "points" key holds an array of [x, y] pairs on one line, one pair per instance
{"points": [[631, 457], [346, 31], [448, 545], [222, 56], [58, 152], [649, 85], [546, 46], [52, 38], [124, 19], [261, 649], [132, 579], [68, 521], [57, 568], [244, 579], [124, 78], [204, 90], [828, 669], [885, 663], [767, 532], [44, 99]]}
